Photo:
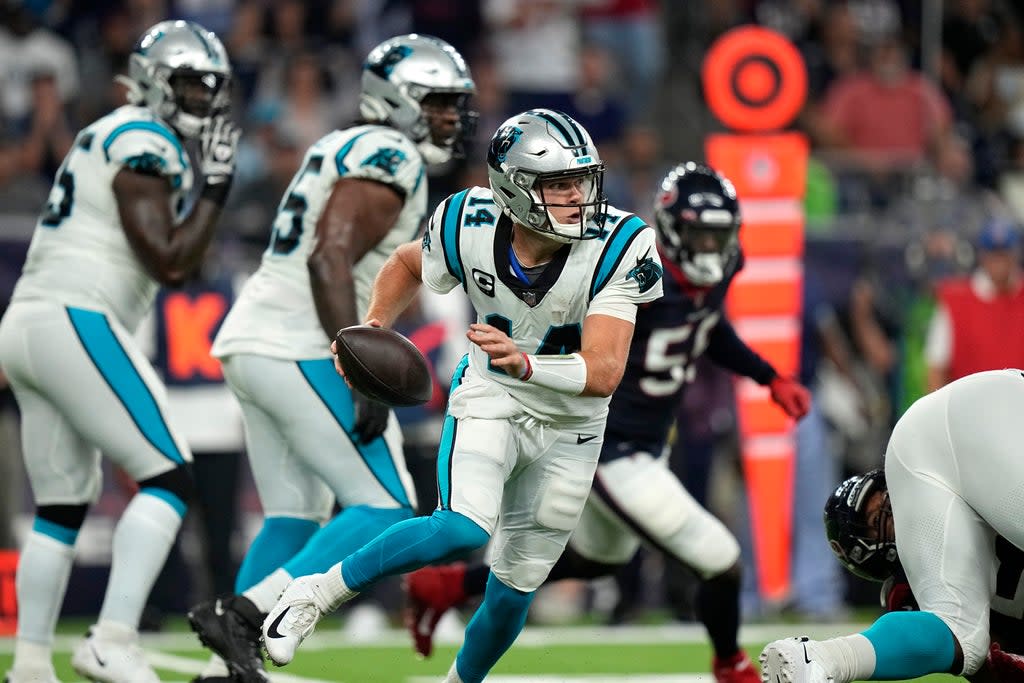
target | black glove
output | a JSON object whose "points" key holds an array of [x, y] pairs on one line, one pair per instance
{"points": [[371, 418], [218, 146]]}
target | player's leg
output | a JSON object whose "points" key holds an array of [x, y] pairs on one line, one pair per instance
{"points": [[295, 503], [89, 368], [473, 463], [648, 502], [542, 504], [64, 474]]}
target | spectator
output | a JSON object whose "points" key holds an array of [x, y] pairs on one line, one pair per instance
{"points": [[979, 321], [49, 136]]}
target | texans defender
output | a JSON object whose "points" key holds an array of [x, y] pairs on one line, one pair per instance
{"points": [[555, 276], [635, 497], [951, 486], [112, 232], [360, 193], [858, 547]]}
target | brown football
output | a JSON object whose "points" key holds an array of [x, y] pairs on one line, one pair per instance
{"points": [[384, 365]]}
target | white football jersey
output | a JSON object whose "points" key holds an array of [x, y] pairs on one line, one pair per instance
{"points": [[274, 314], [80, 255], [468, 243]]}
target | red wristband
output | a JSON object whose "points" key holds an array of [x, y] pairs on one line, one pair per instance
{"points": [[529, 369]]}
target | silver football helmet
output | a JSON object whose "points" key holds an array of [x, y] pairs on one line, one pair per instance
{"points": [[181, 72], [538, 146], [400, 73]]}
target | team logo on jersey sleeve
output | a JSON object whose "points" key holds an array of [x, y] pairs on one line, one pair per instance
{"points": [[646, 272], [386, 159]]}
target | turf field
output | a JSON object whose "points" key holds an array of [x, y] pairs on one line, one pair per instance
{"points": [[628, 654]]}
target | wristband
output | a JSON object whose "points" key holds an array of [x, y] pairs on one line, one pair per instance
{"points": [[527, 368], [216, 192], [564, 374]]}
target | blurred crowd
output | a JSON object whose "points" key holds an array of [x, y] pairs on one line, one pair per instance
{"points": [[915, 115]]}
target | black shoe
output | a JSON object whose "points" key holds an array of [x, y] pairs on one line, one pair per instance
{"points": [[214, 679], [231, 627]]}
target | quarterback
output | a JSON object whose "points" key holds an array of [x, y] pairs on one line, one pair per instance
{"points": [[951, 485], [360, 193], [635, 497], [111, 233], [555, 276]]}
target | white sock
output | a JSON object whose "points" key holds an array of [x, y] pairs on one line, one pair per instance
{"points": [[142, 539], [115, 632], [34, 657], [215, 668], [333, 588], [41, 582], [848, 658], [453, 675], [265, 593]]}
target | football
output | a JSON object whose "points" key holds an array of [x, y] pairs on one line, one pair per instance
{"points": [[385, 366]]}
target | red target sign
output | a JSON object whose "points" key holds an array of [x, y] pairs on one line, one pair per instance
{"points": [[754, 79]]}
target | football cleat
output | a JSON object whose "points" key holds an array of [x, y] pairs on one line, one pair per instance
{"points": [[214, 679], [735, 669], [231, 627], [793, 660], [109, 661], [294, 617], [431, 591]]}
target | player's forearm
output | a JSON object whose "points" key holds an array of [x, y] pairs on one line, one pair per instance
{"points": [[603, 374], [728, 351], [334, 291], [396, 285], [189, 242]]}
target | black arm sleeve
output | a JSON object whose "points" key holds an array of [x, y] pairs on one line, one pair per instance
{"points": [[727, 350]]}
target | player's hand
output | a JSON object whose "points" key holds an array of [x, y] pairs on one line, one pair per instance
{"points": [[371, 417], [218, 146], [791, 396], [503, 351], [337, 363]]}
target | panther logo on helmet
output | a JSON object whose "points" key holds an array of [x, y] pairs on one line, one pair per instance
{"points": [[501, 143], [386, 63]]}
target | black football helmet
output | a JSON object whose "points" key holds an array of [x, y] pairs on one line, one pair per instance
{"points": [[698, 219], [862, 548]]}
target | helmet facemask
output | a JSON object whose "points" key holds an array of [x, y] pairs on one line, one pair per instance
{"points": [[446, 121], [570, 205], [701, 245], [197, 96]]}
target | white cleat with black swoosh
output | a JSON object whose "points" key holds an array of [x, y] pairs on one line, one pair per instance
{"points": [[112, 661], [793, 660], [294, 618]]}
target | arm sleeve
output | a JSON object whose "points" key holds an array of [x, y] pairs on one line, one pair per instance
{"points": [[435, 268], [635, 278], [727, 350]]}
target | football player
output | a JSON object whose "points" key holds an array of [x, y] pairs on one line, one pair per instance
{"points": [[555, 276], [858, 547], [635, 497], [359, 194], [111, 233], [951, 484]]}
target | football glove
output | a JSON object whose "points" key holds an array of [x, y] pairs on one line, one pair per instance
{"points": [[218, 147], [897, 596], [1005, 666], [371, 418], [791, 396]]}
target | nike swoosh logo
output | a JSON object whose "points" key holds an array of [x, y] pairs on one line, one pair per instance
{"points": [[272, 631], [97, 655], [584, 439], [806, 659]]}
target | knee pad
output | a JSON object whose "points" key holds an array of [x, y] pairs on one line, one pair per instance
{"points": [[561, 502], [174, 486], [61, 522], [461, 534]]}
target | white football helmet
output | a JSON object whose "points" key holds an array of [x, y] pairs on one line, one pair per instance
{"points": [[181, 72], [402, 71], [541, 145]]}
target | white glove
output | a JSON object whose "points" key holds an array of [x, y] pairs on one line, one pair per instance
{"points": [[218, 146]]}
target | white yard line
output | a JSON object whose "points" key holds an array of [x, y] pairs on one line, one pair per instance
{"points": [[331, 637], [187, 665]]}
